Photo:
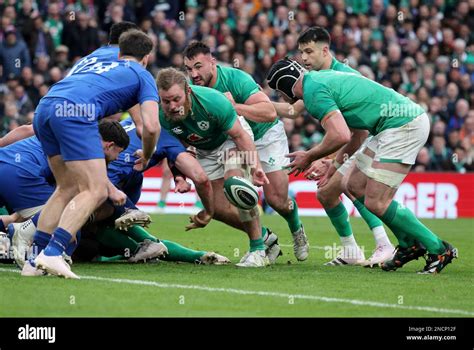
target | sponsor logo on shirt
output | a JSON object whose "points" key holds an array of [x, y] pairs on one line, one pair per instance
{"points": [[194, 137], [203, 125], [177, 130]]}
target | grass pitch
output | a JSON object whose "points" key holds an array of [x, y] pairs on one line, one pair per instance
{"points": [[288, 288]]}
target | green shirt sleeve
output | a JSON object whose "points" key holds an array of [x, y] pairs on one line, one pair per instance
{"points": [[243, 86], [319, 101]]}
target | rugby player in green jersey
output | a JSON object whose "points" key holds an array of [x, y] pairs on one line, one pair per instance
{"points": [[400, 127], [313, 45], [269, 134], [204, 118]]}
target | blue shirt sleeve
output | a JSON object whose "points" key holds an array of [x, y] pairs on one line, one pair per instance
{"points": [[148, 90]]}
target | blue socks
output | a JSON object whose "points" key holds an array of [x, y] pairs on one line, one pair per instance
{"points": [[41, 240], [58, 243], [73, 245], [35, 218]]}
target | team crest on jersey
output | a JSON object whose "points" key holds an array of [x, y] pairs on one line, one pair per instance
{"points": [[177, 130], [203, 125], [194, 137]]}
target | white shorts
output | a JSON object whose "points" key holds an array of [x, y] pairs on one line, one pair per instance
{"points": [[29, 212], [344, 168], [401, 145], [212, 161], [272, 148]]}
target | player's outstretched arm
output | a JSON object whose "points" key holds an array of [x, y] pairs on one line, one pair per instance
{"points": [[151, 129], [337, 135], [257, 107], [245, 145], [358, 137], [17, 134], [288, 110], [115, 195]]}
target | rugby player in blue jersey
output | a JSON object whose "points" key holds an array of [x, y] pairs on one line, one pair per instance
{"points": [[109, 51], [66, 123]]}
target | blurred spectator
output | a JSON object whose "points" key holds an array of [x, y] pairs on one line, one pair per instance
{"points": [[82, 38], [467, 130], [39, 40], [423, 49], [456, 120], [439, 153], [296, 143], [14, 54], [422, 162], [23, 103], [60, 58], [54, 23]]}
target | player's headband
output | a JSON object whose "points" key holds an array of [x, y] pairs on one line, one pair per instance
{"points": [[283, 76]]}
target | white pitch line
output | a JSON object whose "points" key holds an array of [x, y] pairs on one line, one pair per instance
{"points": [[271, 294]]}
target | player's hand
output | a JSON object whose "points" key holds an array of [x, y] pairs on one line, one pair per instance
{"points": [[181, 185], [323, 181], [317, 169], [300, 162], [117, 197], [230, 97], [141, 163], [259, 178], [199, 220]]}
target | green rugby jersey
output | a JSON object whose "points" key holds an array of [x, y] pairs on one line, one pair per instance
{"points": [[211, 115], [241, 85], [341, 67], [364, 103]]}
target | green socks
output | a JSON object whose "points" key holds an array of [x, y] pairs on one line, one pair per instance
{"points": [[124, 240], [340, 220], [176, 252], [113, 238], [139, 234], [257, 244], [371, 219], [293, 218], [404, 223]]}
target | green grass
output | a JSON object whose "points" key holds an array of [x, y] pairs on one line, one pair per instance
{"points": [[307, 281]]}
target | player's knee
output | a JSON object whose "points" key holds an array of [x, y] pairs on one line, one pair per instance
{"points": [[354, 189], [278, 201], [345, 185], [99, 194], [201, 179], [67, 192], [323, 195], [220, 214], [375, 205]]}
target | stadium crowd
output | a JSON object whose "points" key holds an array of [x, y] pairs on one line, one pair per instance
{"points": [[424, 49]]}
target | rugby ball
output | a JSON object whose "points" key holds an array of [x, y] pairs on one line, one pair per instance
{"points": [[240, 192]]}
